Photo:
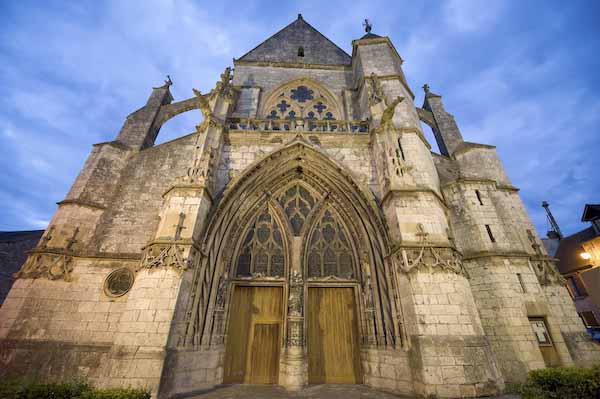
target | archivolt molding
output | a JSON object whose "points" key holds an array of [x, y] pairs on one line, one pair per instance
{"points": [[298, 162]]}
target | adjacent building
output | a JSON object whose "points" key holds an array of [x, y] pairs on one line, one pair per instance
{"points": [[579, 263]]}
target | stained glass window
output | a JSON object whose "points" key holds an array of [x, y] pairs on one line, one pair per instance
{"points": [[329, 251], [262, 249], [320, 107], [302, 93], [297, 203], [301, 102]]}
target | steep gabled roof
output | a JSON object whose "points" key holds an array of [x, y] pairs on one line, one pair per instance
{"points": [[283, 47]]}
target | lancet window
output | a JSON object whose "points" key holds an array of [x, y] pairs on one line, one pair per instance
{"points": [[329, 250], [262, 251]]}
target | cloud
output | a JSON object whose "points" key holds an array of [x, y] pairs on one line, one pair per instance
{"points": [[73, 71], [466, 16]]}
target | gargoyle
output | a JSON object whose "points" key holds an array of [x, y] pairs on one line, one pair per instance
{"points": [[390, 110]]}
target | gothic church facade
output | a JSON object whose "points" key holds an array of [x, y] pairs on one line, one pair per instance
{"points": [[305, 233]]}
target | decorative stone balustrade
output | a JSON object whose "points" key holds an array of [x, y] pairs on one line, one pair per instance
{"points": [[303, 125]]}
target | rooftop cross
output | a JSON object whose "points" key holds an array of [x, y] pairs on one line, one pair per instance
{"points": [[426, 88], [368, 26]]}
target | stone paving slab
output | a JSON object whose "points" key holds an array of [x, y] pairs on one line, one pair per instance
{"points": [[314, 391]]}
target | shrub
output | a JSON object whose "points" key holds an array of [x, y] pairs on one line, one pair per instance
{"points": [[562, 383], [26, 389]]}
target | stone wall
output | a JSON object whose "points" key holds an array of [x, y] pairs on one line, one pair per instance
{"points": [[449, 354], [61, 329], [388, 370], [244, 148], [132, 219]]}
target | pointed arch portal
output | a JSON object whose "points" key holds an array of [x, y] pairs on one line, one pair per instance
{"points": [[297, 221]]}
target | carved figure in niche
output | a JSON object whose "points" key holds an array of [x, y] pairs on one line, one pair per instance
{"points": [[295, 302], [221, 291], [367, 288], [375, 91]]}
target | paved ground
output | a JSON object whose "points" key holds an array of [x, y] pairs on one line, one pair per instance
{"points": [[315, 391]]}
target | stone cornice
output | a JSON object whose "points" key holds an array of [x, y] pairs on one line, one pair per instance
{"points": [[468, 146], [84, 254], [264, 137], [362, 79], [345, 68], [415, 130], [115, 144], [86, 204], [375, 40], [397, 246], [190, 187], [392, 192], [469, 180], [495, 254], [37, 344]]}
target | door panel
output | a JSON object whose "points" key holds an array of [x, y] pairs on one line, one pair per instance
{"points": [[332, 336], [265, 354], [252, 354]]}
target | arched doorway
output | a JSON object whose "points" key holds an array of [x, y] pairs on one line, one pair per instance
{"points": [[293, 242]]}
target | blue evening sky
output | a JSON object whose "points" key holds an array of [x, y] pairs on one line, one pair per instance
{"points": [[522, 75]]}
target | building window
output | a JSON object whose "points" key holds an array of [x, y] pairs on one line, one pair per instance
{"points": [[589, 319], [118, 282], [521, 282], [540, 331], [401, 150], [575, 286], [329, 251], [489, 231], [478, 194], [262, 252], [300, 51]]}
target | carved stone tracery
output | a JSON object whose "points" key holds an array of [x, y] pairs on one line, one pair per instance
{"points": [[169, 254], [53, 266], [430, 258]]}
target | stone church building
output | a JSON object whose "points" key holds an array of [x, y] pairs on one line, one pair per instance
{"points": [[305, 233]]}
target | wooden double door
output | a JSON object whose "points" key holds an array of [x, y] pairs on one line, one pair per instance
{"points": [[255, 335]]}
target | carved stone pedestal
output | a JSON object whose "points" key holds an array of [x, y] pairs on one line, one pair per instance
{"points": [[293, 374]]}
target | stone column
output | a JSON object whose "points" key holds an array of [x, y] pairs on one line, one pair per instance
{"points": [[294, 370]]}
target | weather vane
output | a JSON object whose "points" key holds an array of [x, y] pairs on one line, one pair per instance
{"points": [[367, 26]]}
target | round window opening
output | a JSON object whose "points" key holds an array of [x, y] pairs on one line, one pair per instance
{"points": [[118, 282]]}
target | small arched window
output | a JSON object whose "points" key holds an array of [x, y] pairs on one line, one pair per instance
{"points": [[300, 51]]}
